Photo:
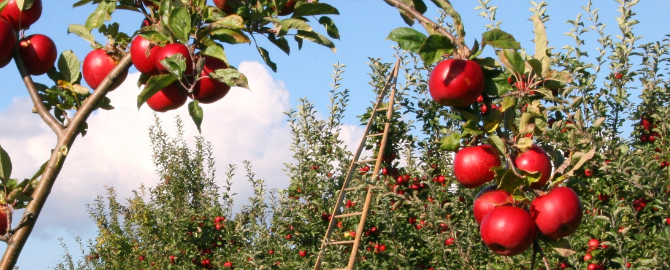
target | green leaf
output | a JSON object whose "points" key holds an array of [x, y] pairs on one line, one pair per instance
{"points": [[5, 165], [24, 4], [584, 158], [420, 6], [195, 111], [281, 42], [68, 65], [82, 32], [215, 51], [3, 4], [541, 45], [451, 142], [175, 64], [154, 37], [99, 16], [180, 23], [524, 144], [233, 21], [81, 3], [231, 76], [331, 29], [314, 9], [154, 84], [536, 65], [266, 57], [296, 23], [515, 61], [497, 143], [299, 41], [434, 47], [499, 39], [562, 247], [231, 36], [407, 38], [316, 38]]}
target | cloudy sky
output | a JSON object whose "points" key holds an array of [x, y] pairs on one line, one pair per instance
{"points": [[246, 125]]}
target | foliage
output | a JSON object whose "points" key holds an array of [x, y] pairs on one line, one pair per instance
{"points": [[420, 219]]}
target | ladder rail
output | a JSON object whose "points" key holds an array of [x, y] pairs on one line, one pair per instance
{"points": [[389, 83]]}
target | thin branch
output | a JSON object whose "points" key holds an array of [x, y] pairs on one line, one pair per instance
{"points": [[49, 119], [55, 164], [464, 51]]}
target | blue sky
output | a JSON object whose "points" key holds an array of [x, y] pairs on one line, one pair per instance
{"points": [[246, 125]]}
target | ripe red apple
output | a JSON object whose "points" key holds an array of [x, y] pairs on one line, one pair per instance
{"points": [[170, 50], [302, 253], [472, 165], [144, 58], [535, 160], [456, 82], [7, 39], [97, 66], [667, 220], [228, 265], [487, 199], [21, 19], [5, 62], [3, 221], [557, 214], [640, 204], [288, 8], [169, 98], [594, 243], [508, 230], [39, 53], [450, 241], [225, 5]]}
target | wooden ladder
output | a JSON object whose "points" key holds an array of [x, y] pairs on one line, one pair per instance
{"points": [[336, 213]]}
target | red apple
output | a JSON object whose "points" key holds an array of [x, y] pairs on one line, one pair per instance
{"points": [[170, 50], [3, 221], [557, 214], [208, 90], [640, 204], [225, 5], [507, 230], [594, 243], [39, 53], [487, 199], [21, 19], [5, 62], [169, 98], [302, 253], [450, 241], [456, 82], [7, 39], [472, 165], [288, 8], [97, 66], [143, 57], [535, 160]]}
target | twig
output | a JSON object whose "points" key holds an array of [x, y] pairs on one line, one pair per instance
{"points": [[49, 119], [536, 246], [464, 51], [48, 178]]}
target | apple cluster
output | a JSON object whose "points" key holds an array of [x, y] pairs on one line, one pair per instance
{"points": [[37, 51]]}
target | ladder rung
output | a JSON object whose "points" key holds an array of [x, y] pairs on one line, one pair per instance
{"points": [[373, 135], [351, 188], [366, 161], [349, 215], [342, 242], [338, 269], [382, 109]]}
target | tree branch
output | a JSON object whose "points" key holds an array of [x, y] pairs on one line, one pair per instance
{"points": [[55, 164], [463, 50], [49, 119]]}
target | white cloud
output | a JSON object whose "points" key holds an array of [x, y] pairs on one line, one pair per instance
{"points": [[245, 125]]}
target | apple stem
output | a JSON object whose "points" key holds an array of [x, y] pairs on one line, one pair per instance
{"points": [[538, 249]]}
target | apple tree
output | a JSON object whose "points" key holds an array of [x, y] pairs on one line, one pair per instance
{"points": [[178, 47]]}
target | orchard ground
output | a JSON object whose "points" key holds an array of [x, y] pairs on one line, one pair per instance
{"points": [[246, 125]]}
